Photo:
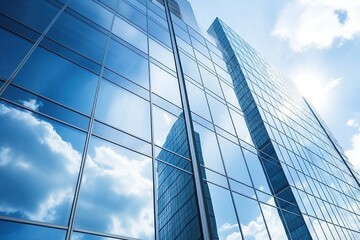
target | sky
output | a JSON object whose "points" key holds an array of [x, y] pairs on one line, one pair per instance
{"points": [[316, 43]]}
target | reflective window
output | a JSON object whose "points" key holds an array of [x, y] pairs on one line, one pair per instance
{"points": [[56, 78], [36, 14], [79, 36], [273, 221], [197, 100], [127, 63], [18, 231], [161, 54], [123, 110], [207, 147], [116, 194], [229, 94], [132, 14], [240, 126], [222, 215], [234, 161], [130, 34], [121, 138], [165, 84], [170, 131], [178, 215], [37, 175], [159, 33], [93, 11], [220, 114], [256, 171], [210, 81], [13, 49], [44, 106], [189, 67], [251, 220]]}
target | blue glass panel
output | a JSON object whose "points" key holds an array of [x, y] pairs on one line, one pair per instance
{"points": [[18, 231], [127, 63], [56, 78], [130, 34], [273, 221], [251, 219], [161, 54], [178, 214], [220, 114], [197, 100], [234, 161], [132, 14], [39, 165], [207, 147], [159, 33], [256, 171], [44, 106], [93, 11], [79, 36], [123, 110], [223, 220], [116, 194], [165, 84], [36, 14], [13, 50]]}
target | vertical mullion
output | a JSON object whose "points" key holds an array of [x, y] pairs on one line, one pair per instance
{"points": [[189, 129]]}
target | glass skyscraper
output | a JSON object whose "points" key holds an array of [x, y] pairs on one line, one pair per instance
{"points": [[119, 120]]}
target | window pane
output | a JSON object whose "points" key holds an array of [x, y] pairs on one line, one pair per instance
{"points": [[116, 194], [207, 147], [178, 215], [256, 171], [132, 14], [83, 236], [159, 33], [197, 100], [190, 67], [44, 106], [130, 34], [273, 221], [93, 11], [128, 63], [38, 175], [165, 85], [123, 110], [161, 54], [222, 214], [18, 231], [36, 14], [234, 161], [220, 114], [54, 77], [170, 132], [210, 81], [13, 50], [79, 36], [252, 222]]}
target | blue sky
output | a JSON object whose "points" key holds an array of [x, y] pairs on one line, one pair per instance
{"points": [[315, 43]]}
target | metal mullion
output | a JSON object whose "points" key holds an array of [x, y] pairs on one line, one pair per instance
{"points": [[87, 141], [189, 129]]}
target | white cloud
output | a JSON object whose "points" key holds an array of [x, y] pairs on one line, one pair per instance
{"points": [[227, 226], [37, 167], [117, 189], [32, 104], [354, 153], [314, 87], [352, 123], [318, 23]]}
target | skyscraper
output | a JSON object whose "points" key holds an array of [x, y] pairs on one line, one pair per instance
{"points": [[119, 120]]}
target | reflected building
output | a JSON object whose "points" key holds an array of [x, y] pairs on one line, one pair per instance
{"points": [[119, 120]]}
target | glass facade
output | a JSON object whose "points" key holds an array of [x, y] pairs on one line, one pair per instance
{"points": [[121, 121]]}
